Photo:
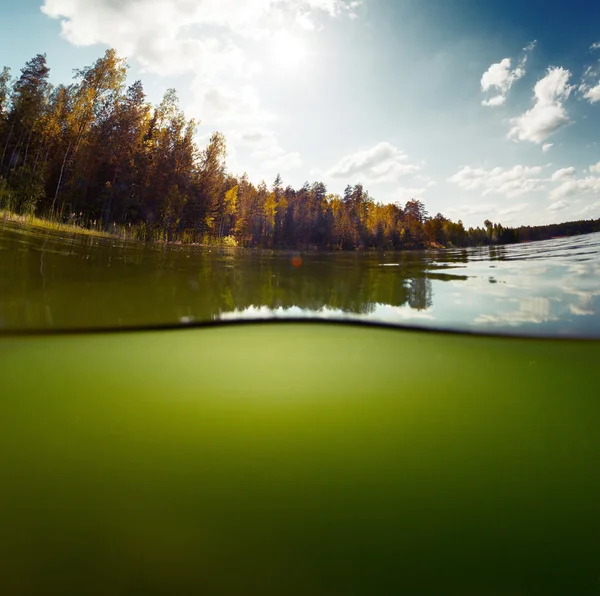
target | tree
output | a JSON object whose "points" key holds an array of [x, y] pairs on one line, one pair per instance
{"points": [[4, 91], [28, 100], [94, 99], [98, 151]]}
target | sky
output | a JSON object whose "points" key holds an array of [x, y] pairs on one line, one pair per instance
{"points": [[483, 110]]}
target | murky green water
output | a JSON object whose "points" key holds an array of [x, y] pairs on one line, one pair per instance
{"points": [[51, 281]]}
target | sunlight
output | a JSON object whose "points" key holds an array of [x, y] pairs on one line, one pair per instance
{"points": [[287, 51]]}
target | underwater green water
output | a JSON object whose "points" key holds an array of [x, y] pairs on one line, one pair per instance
{"points": [[299, 459]]}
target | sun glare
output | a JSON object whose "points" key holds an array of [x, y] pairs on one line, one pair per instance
{"points": [[287, 51]]}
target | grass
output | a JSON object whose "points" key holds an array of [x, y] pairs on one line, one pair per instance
{"points": [[9, 212], [55, 226], [137, 232]]}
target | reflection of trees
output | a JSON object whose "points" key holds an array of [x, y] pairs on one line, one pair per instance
{"points": [[111, 285], [336, 284], [420, 296], [497, 252]]}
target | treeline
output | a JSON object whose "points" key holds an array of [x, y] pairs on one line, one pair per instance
{"points": [[95, 153]]}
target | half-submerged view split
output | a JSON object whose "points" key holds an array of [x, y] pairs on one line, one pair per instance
{"points": [[299, 297]]}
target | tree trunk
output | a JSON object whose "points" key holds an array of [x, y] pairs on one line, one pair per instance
{"points": [[28, 144], [60, 177], [12, 157], [12, 126]]}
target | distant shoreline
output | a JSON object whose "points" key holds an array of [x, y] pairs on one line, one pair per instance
{"points": [[132, 234]]}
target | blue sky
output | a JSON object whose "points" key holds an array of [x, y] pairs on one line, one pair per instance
{"points": [[481, 109]]}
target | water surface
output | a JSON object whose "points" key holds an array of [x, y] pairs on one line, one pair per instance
{"points": [[58, 281]]}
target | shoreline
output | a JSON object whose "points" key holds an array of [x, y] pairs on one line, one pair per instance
{"points": [[53, 226]]}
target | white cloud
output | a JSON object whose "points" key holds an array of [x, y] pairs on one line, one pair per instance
{"points": [[427, 180], [176, 36], [213, 40], [559, 206], [472, 209], [220, 106], [500, 77], [305, 22], [575, 187], [531, 310], [595, 169], [495, 101], [284, 162], [264, 146], [581, 310], [548, 114], [513, 209], [595, 46], [593, 94], [133, 26], [405, 194], [513, 182], [547, 146], [381, 163], [593, 208], [589, 87], [563, 174]]}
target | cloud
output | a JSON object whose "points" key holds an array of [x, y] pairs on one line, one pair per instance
{"points": [[472, 209], [593, 94], [595, 169], [247, 123], [534, 310], [513, 182], [562, 174], [132, 26], [575, 187], [221, 106], [548, 114], [559, 206], [495, 101], [381, 163], [513, 209], [284, 162], [579, 310], [264, 146], [589, 88], [405, 194], [547, 146], [500, 77], [595, 46], [593, 208], [171, 37], [213, 40]]}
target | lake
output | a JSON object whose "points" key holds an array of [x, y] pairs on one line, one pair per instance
{"points": [[57, 281]]}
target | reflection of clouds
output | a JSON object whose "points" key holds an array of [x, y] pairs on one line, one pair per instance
{"points": [[584, 285], [531, 310], [585, 303], [584, 269], [381, 313], [264, 312], [542, 285], [408, 313], [581, 310]]}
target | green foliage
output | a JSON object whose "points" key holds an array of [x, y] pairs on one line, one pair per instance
{"points": [[229, 241], [28, 187]]}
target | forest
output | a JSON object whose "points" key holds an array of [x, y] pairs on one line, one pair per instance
{"points": [[95, 154]]}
